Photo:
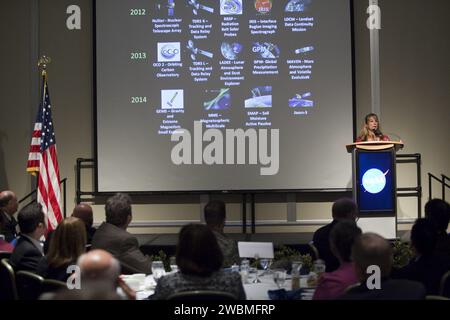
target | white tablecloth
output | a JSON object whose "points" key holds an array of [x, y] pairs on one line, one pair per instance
{"points": [[254, 291]]}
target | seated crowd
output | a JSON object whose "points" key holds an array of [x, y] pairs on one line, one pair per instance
{"points": [[204, 253]]}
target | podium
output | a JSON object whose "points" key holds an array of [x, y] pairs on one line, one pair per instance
{"points": [[375, 185]]}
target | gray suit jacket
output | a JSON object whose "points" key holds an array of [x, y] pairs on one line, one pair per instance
{"points": [[123, 246]]}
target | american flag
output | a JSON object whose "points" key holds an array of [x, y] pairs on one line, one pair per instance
{"points": [[42, 160]]}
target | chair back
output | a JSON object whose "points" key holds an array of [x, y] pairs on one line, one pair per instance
{"points": [[29, 285], [5, 255], [431, 297], [202, 295], [352, 286], [50, 285], [7, 281], [445, 285]]}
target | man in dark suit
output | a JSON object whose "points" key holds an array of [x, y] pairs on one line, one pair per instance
{"points": [[215, 216], [8, 206], [343, 209], [372, 250], [29, 251], [113, 237]]}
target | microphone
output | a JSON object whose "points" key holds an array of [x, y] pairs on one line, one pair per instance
{"points": [[377, 132]]}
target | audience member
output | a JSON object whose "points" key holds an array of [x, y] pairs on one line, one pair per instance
{"points": [[68, 243], [99, 279], [8, 206], [100, 272], [113, 237], [438, 212], [215, 220], [333, 284], [84, 212], [29, 251], [199, 259], [343, 209], [373, 250], [427, 266]]}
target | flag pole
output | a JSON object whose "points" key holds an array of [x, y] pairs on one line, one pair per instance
{"points": [[43, 62]]}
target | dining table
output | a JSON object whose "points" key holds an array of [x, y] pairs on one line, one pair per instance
{"points": [[144, 286]]}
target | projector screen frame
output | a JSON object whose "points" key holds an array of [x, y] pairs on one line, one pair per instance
{"points": [[214, 191]]}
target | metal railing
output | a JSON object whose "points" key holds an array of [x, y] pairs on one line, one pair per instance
{"points": [[34, 192], [415, 191], [83, 163], [441, 181]]}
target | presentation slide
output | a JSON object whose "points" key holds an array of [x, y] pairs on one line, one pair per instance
{"points": [[223, 95]]}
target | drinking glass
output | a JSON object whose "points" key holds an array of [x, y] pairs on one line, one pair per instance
{"points": [[258, 261], [173, 264], [295, 274], [157, 270], [265, 265], [319, 267], [245, 270], [279, 277]]}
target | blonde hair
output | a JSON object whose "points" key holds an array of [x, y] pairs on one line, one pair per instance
{"points": [[68, 242], [364, 133]]}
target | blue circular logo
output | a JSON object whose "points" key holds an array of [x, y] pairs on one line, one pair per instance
{"points": [[169, 51], [374, 180]]}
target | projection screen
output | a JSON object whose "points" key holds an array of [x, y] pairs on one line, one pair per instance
{"points": [[198, 95]]}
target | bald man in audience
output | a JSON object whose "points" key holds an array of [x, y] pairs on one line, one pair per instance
{"points": [[99, 265], [8, 206], [372, 250], [82, 211], [99, 268], [100, 278]]}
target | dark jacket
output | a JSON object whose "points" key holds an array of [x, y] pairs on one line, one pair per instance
{"points": [[389, 290], [427, 269], [8, 227], [123, 246], [26, 256], [443, 244], [60, 273], [178, 282], [321, 241]]}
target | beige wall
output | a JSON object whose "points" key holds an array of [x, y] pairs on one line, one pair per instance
{"points": [[415, 101]]}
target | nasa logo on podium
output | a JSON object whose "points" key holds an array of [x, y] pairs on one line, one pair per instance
{"points": [[374, 180]]}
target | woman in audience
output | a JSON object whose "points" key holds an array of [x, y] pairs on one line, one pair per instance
{"points": [[438, 212], [199, 260], [333, 284], [427, 266], [371, 130], [66, 245]]}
